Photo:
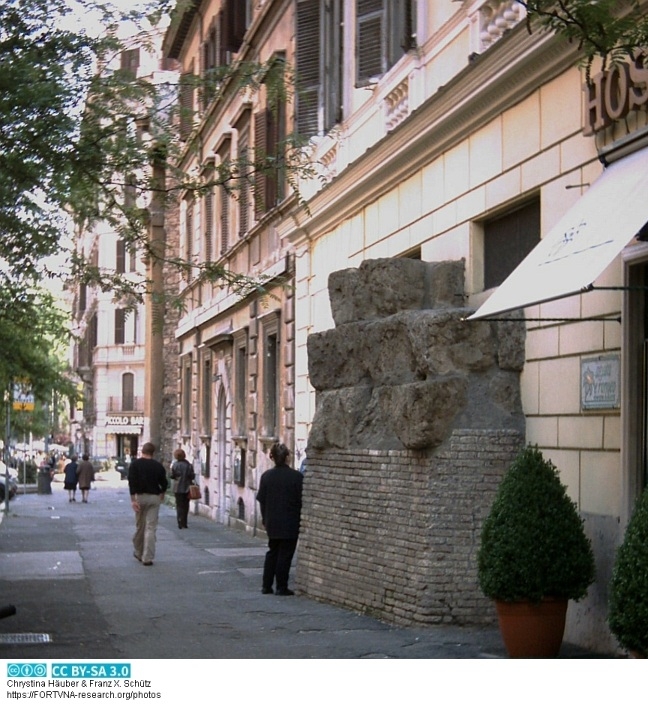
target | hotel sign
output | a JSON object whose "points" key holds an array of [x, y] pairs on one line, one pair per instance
{"points": [[600, 383], [614, 93]]}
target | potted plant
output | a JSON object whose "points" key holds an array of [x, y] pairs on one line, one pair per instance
{"points": [[534, 556], [628, 607]]}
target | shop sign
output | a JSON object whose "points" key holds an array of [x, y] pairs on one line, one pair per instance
{"points": [[614, 93], [124, 420], [600, 382]]}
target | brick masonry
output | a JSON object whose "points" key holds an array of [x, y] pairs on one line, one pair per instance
{"points": [[395, 534]]}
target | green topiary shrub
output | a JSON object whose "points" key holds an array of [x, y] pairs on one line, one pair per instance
{"points": [[533, 544], [628, 612]]}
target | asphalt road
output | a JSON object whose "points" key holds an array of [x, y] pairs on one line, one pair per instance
{"points": [[69, 570]]}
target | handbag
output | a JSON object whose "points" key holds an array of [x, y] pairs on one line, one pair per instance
{"points": [[194, 492]]}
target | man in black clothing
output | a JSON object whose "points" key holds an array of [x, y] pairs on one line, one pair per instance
{"points": [[147, 482], [280, 498]]}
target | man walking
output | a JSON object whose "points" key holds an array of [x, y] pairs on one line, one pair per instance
{"points": [[280, 498], [147, 482]]}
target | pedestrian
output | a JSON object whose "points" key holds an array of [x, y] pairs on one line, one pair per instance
{"points": [[280, 498], [85, 473], [147, 482], [71, 479], [182, 472]]}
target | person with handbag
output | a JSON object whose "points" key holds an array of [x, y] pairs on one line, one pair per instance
{"points": [[183, 476]]}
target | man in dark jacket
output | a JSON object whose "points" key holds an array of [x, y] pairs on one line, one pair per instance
{"points": [[147, 481], [280, 498]]}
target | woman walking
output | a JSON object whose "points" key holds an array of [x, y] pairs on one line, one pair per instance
{"points": [[85, 473], [183, 475], [71, 480]]}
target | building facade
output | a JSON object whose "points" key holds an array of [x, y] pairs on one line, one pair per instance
{"points": [[440, 131], [236, 348]]}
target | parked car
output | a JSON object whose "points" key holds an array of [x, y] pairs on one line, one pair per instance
{"points": [[13, 482], [122, 465]]}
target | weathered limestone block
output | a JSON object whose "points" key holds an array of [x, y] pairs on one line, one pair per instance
{"points": [[337, 416], [511, 339], [444, 342], [335, 358], [382, 287], [422, 413]]}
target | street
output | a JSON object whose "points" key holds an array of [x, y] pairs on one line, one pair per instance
{"points": [[68, 569]]}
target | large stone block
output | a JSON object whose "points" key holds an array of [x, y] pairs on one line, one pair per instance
{"points": [[422, 413], [382, 287]]}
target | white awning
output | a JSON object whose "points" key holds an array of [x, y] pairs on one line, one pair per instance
{"points": [[583, 243]]}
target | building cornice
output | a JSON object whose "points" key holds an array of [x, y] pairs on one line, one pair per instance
{"points": [[503, 76]]}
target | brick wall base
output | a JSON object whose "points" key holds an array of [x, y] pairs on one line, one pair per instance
{"points": [[395, 533]]}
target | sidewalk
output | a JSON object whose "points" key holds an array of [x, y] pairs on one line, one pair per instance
{"points": [[69, 571]]}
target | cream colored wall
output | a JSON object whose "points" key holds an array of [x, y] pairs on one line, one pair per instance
{"points": [[535, 147]]}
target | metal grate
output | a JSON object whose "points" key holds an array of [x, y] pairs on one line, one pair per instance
{"points": [[24, 638]]}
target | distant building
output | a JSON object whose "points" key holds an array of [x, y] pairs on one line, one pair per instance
{"points": [[113, 420]]}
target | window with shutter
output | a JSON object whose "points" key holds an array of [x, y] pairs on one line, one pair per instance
{"points": [[209, 224], [130, 61], [260, 149], [187, 89], [244, 181], [385, 31], [188, 235], [308, 67], [235, 24], [224, 218], [318, 63], [128, 392], [120, 326], [130, 191], [120, 265], [370, 39]]}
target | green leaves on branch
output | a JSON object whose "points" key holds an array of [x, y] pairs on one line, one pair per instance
{"points": [[607, 29]]}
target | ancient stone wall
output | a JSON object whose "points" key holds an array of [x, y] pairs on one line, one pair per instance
{"points": [[418, 415]]}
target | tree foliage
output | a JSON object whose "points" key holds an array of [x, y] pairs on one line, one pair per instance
{"points": [[77, 132], [611, 30]]}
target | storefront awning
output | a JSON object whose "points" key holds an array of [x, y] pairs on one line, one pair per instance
{"points": [[582, 244]]}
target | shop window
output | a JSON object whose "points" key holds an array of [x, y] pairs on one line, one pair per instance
{"points": [[508, 239], [385, 31], [318, 63], [128, 392]]}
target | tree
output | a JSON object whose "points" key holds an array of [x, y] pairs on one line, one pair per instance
{"points": [[605, 29], [77, 131]]}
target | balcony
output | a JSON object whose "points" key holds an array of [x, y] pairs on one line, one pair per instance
{"points": [[116, 404]]}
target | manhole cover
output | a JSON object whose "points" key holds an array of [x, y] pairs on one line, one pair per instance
{"points": [[22, 638]]}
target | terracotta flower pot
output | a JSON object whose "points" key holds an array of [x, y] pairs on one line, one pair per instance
{"points": [[532, 630]]}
